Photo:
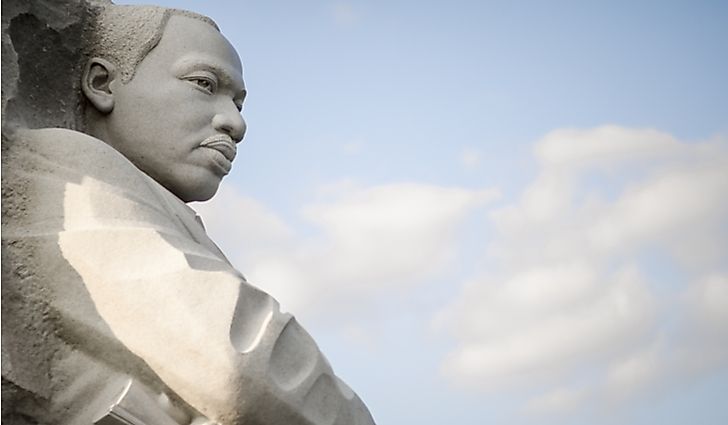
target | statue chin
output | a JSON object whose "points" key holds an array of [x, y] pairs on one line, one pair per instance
{"points": [[202, 191]]}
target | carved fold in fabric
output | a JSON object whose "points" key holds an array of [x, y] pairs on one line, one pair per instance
{"points": [[135, 406], [136, 285]]}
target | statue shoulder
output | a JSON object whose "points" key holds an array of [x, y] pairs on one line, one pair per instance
{"points": [[68, 149]]}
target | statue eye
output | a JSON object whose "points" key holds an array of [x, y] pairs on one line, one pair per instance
{"points": [[204, 83]]}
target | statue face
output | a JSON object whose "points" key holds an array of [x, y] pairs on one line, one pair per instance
{"points": [[178, 119]]}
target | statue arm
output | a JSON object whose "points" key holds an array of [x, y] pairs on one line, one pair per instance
{"points": [[221, 344], [171, 299]]}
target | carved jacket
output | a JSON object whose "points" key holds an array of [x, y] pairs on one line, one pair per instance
{"points": [[118, 308]]}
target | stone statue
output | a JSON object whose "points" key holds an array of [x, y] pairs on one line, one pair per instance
{"points": [[117, 307]]}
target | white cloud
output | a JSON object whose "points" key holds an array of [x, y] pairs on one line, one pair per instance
{"points": [[542, 325], [628, 376], [566, 295], [567, 308], [707, 308], [670, 208], [240, 224], [365, 242], [605, 146]]}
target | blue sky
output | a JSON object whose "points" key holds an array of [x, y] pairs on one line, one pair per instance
{"points": [[491, 212]]}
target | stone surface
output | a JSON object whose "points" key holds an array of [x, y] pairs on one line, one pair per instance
{"points": [[41, 61], [117, 308]]}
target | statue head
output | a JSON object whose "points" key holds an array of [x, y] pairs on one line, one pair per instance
{"points": [[165, 89]]}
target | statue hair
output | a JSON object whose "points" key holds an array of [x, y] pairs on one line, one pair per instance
{"points": [[125, 34]]}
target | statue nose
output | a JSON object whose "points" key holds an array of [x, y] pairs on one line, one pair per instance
{"points": [[230, 123]]}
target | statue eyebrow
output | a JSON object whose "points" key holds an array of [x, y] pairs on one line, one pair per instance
{"points": [[225, 77]]}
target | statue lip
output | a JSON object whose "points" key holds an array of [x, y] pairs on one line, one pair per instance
{"points": [[223, 144]]}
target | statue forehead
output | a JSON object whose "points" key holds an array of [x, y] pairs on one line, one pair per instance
{"points": [[192, 39], [126, 34]]}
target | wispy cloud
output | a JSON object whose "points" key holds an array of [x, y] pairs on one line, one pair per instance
{"points": [[363, 241], [573, 310], [568, 294]]}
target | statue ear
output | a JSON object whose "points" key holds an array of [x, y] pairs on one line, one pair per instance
{"points": [[96, 84]]}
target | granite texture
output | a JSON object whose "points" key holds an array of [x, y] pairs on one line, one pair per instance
{"points": [[41, 61], [117, 307]]}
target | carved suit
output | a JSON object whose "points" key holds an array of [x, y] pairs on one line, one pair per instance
{"points": [[128, 308]]}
